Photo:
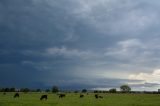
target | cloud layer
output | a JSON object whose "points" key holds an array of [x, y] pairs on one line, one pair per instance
{"points": [[56, 42]]}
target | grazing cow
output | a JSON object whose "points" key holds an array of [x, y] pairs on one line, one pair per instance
{"points": [[62, 95], [96, 96], [43, 97], [4, 93], [16, 95], [81, 95]]}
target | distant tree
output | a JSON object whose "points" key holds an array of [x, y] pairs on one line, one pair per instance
{"points": [[32, 90], [75, 91], [125, 88], [47, 90], [100, 91], [95, 91], [112, 90], [2, 89], [26, 90], [22, 89], [55, 89], [12, 89], [84, 90], [105, 91], [38, 90], [6, 90]]}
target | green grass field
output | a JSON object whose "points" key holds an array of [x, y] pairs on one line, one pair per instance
{"points": [[32, 99]]}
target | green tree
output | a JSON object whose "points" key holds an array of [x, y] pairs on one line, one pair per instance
{"points": [[6, 90], [47, 90], [55, 89], [75, 91], [24, 90], [12, 89], [113, 90], [2, 89], [84, 90], [125, 88], [38, 90]]}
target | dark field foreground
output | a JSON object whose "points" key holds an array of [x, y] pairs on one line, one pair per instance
{"points": [[33, 99]]}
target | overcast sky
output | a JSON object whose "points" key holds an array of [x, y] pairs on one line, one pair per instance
{"points": [[75, 44]]}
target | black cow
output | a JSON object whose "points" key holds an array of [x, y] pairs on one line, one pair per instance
{"points": [[62, 95], [16, 95], [96, 96], [81, 96], [43, 97], [4, 93]]}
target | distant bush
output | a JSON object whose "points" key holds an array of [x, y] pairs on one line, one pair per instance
{"points": [[25, 90], [112, 90], [84, 90], [99, 91], [75, 91], [7, 89], [47, 90], [38, 90], [55, 89]]}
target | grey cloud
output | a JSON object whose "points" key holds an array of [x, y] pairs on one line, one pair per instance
{"points": [[66, 39]]}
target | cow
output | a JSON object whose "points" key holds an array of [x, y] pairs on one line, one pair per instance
{"points": [[43, 97], [62, 95], [16, 95], [96, 96], [81, 96]]}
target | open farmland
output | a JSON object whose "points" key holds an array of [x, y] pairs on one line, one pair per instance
{"points": [[72, 99]]}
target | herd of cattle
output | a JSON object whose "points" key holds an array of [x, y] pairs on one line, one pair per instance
{"points": [[45, 97]]}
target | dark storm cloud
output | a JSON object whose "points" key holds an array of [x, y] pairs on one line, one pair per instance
{"points": [[50, 41]]}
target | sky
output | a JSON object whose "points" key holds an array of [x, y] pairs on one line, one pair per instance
{"points": [[75, 44]]}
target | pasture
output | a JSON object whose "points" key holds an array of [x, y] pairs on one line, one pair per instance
{"points": [[73, 99]]}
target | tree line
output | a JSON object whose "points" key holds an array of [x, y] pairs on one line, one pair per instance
{"points": [[55, 89], [12, 89]]}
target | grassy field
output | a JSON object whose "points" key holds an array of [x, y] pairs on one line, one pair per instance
{"points": [[32, 99]]}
